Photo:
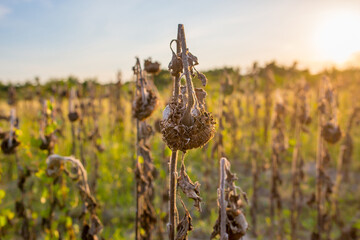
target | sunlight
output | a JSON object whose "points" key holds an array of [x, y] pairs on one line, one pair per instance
{"points": [[338, 37]]}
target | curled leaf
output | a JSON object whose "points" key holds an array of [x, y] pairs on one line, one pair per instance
{"points": [[200, 95], [193, 60], [190, 189], [175, 65], [202, 78], [184, 226], [54, 167]]}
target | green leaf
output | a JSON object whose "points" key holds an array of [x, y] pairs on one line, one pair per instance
{"points": [[3, 221], [2, 194], [357, 224]]}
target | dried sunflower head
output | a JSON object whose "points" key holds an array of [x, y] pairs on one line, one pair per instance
{"points": [[152, 67], [48, 142], [146, 99], [9, 148], [73, 116], [331, 132], [186, 124], [143, 109], [180, 136], [227, 86]]}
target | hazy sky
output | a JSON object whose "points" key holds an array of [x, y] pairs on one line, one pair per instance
{"points": [[95, 38]]}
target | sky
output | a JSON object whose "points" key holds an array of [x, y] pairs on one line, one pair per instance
{"points": [[96, 38]]}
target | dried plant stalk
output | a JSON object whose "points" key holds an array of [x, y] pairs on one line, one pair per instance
{"points": [[343, 160], [56, 164], [328, 131], [269, 80], [73, 115], [10, 142], [222, 202], [254, 150], [185, 124], [172, 194], [301, 118], [279, 146], [47, 140], [145, 171], [231, 223]]}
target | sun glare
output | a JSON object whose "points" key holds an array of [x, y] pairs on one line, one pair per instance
{"points": [[338, 36]]}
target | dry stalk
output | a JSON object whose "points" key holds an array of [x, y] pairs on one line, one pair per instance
{"points": [[186, 124], [279, 146], [269, 81], [222, 202], [347, 145], [328, 131], [48, 144], [21, 210], [343, 163], [61, 94], [73, 115], [301, 118], [47, 120], [10, 142], [118, 99], [254, 150], [56, 164], [81, 130], [94, 137], [231, 223], [172, 194], [145, 170]]}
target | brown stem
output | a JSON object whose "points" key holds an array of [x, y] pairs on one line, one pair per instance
{"points": [[336, 188], [222, 203], [73, 136], [254, 205], [80, 136], [319, 170], [272, 193], [340, 173], [12, 123], [141, 79], [295, 179], [71, 109], [137, 153], [187, 119], [220, 148], [177, 77], [173, 175], [253, 156], [52, 117], [137, 206]]}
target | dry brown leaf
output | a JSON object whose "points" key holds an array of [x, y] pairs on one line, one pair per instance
{"points": [[190, 189]]}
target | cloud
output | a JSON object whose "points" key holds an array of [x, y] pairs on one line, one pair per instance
{"points": [[4, 11]]}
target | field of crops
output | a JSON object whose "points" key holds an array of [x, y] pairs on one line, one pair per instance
{"points": [[272, 153]]}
